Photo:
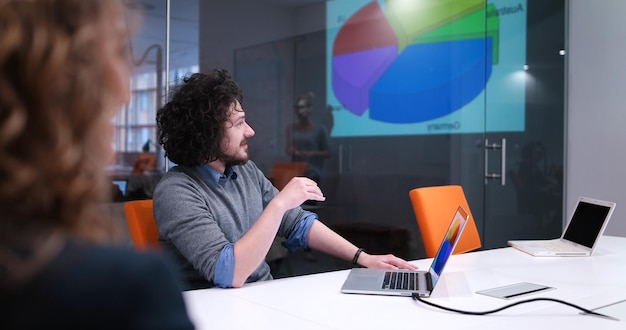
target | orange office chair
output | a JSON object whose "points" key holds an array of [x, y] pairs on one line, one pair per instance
{"points": [[140, 221], [433, 208], [282, 172]]}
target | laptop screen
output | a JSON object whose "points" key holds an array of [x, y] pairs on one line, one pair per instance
{"points": [[121, 184], [448, 243], [586, 223]]}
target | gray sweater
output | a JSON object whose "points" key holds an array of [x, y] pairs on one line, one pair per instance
{"points": [[197, 217]]}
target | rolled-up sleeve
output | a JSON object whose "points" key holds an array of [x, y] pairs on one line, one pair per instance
{"points": [[225, 267], [297, 238]]}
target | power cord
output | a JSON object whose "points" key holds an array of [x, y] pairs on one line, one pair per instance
{"points": [[586, 311]]}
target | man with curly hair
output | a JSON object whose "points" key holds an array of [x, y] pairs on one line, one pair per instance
{"points": [[216, 211]]}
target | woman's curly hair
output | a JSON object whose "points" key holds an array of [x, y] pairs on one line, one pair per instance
{"points": [[191, 126], [55, 109]]}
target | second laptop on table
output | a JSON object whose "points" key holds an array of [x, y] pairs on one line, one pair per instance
{"points": [[581, 235]]}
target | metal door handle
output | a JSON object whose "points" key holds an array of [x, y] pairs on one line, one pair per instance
{"points": [[495, 146], [348, 161], [340, 165]]}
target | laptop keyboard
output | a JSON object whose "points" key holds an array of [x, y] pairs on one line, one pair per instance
{"points": [[558, 246], [400, 281]]}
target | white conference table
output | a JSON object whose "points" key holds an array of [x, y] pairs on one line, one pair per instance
{"points": [[315, 301]]}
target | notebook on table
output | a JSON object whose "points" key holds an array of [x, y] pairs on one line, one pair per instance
{"points": [[581, 235], [408, 282]]}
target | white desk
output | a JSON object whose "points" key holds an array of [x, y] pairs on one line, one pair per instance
{"points": [[315, 302]]}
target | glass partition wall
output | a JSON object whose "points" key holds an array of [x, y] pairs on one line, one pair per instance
{"points": [[411, 94], [436, 93], [163, 49]]}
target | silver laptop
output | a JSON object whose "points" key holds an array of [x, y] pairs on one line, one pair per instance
{"points": [[407, 282], [581, 235]]}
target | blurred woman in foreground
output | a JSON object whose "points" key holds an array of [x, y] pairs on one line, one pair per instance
{"points": [[63, 74]]}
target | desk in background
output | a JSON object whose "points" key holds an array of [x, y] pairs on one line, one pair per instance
{"points": [[315, 301]]}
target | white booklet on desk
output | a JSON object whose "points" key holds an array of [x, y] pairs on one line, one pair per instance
{"points": [[581, 235]]}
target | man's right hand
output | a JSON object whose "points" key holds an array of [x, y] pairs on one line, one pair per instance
{"points": [[299, 190]]}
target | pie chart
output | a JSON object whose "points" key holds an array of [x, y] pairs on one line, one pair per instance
{"points": [[414, 61]]}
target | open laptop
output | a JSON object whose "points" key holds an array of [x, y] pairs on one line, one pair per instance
{"points": [[408, 282], [581, 235], [121, 183]]}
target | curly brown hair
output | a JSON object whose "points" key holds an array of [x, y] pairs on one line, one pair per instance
{"points": [[55, 111], [191, 126]]}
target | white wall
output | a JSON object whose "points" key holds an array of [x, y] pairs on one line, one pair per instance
{"points": [[596, 137]]}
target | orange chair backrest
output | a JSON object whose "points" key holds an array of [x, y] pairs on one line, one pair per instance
{"points": [[434, 208], [282, 172], [141, 224]]}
